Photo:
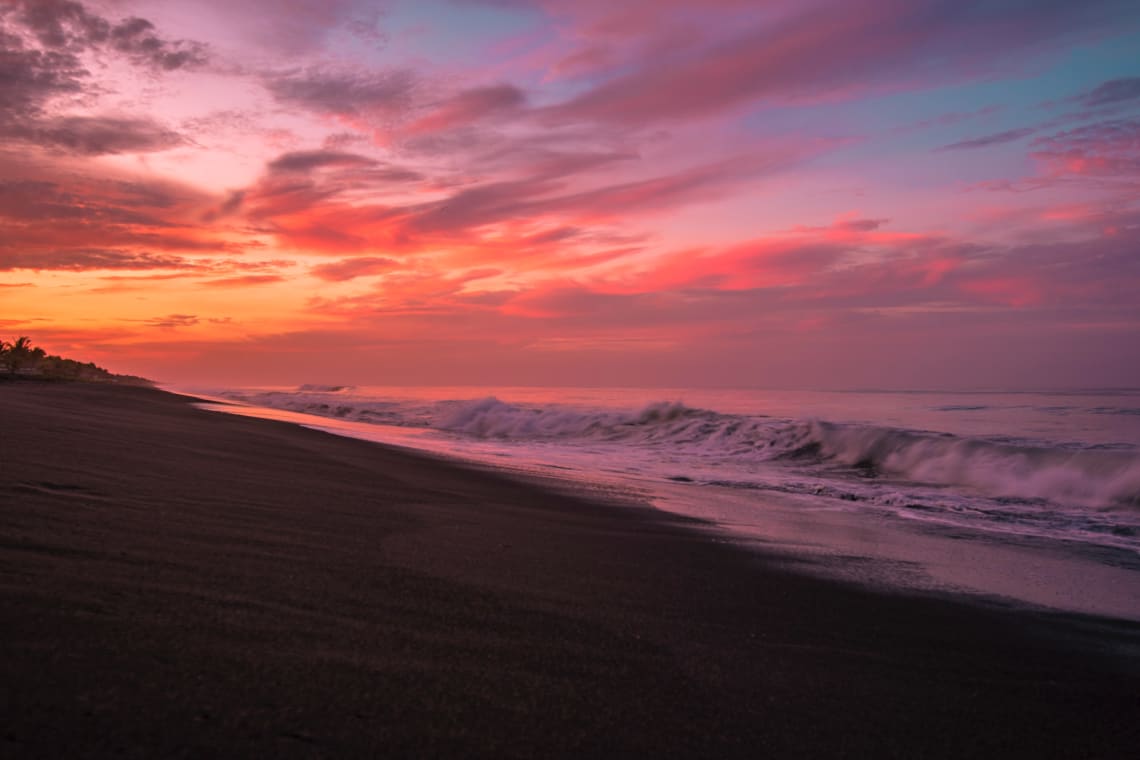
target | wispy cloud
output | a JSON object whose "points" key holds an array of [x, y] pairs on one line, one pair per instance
{"points": [[349, 269], [243, 281], [173, 321], [1110, 148], [1113, 92], [986, 141], [469, 106], [98, 135], [81, 259], [353, 93], [828, 49]]}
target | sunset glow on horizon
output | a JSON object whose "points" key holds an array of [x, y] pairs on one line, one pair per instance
{"points": [[825, 194]]}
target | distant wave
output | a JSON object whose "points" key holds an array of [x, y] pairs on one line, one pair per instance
{"points": [[1116, 410]]}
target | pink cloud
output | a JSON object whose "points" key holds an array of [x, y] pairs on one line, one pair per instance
{"points": [[321, 213], [1110, 148]]}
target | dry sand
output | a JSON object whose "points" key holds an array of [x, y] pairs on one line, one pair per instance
{"points": [[179, 582]]}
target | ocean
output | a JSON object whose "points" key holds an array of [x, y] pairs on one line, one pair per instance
{"points": [[887, 475]]}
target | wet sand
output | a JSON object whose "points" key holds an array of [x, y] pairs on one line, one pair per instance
{"points": [[178, 582]]}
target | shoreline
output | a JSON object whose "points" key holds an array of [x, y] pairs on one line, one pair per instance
{"points": [[176, 580], [871, 547]]}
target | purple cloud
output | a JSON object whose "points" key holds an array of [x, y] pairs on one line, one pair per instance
{"points": [[1113, 92], [306, 161], [29, 77], [41, 49], [43, 202], [67, 25], [61, 23], [137, 39], [1000, 138], [351, 93], [100, 135]]}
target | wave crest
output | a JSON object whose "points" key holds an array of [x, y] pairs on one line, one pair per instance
{"points": [[1090, 477]]}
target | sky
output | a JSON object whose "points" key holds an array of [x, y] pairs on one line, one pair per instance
{"points": [[748, 193]]}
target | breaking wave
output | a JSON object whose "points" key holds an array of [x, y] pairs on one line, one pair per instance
{"points": [[1087, 476]]}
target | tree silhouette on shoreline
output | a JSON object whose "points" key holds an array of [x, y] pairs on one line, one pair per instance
{"points": [[20, 353], [19, 358]]}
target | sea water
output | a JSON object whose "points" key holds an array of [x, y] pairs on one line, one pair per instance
{"points": [[1059, 470]]}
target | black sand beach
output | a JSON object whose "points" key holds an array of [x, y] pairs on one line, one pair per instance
{"points": [[179, 582]]}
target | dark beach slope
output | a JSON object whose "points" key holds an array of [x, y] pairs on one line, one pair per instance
{"points": [[175, 581]]}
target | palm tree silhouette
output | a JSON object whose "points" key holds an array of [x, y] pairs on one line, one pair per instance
{"points": [[19, 351]]}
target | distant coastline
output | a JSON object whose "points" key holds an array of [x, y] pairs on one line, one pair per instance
{"points": [[20, 360]]}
